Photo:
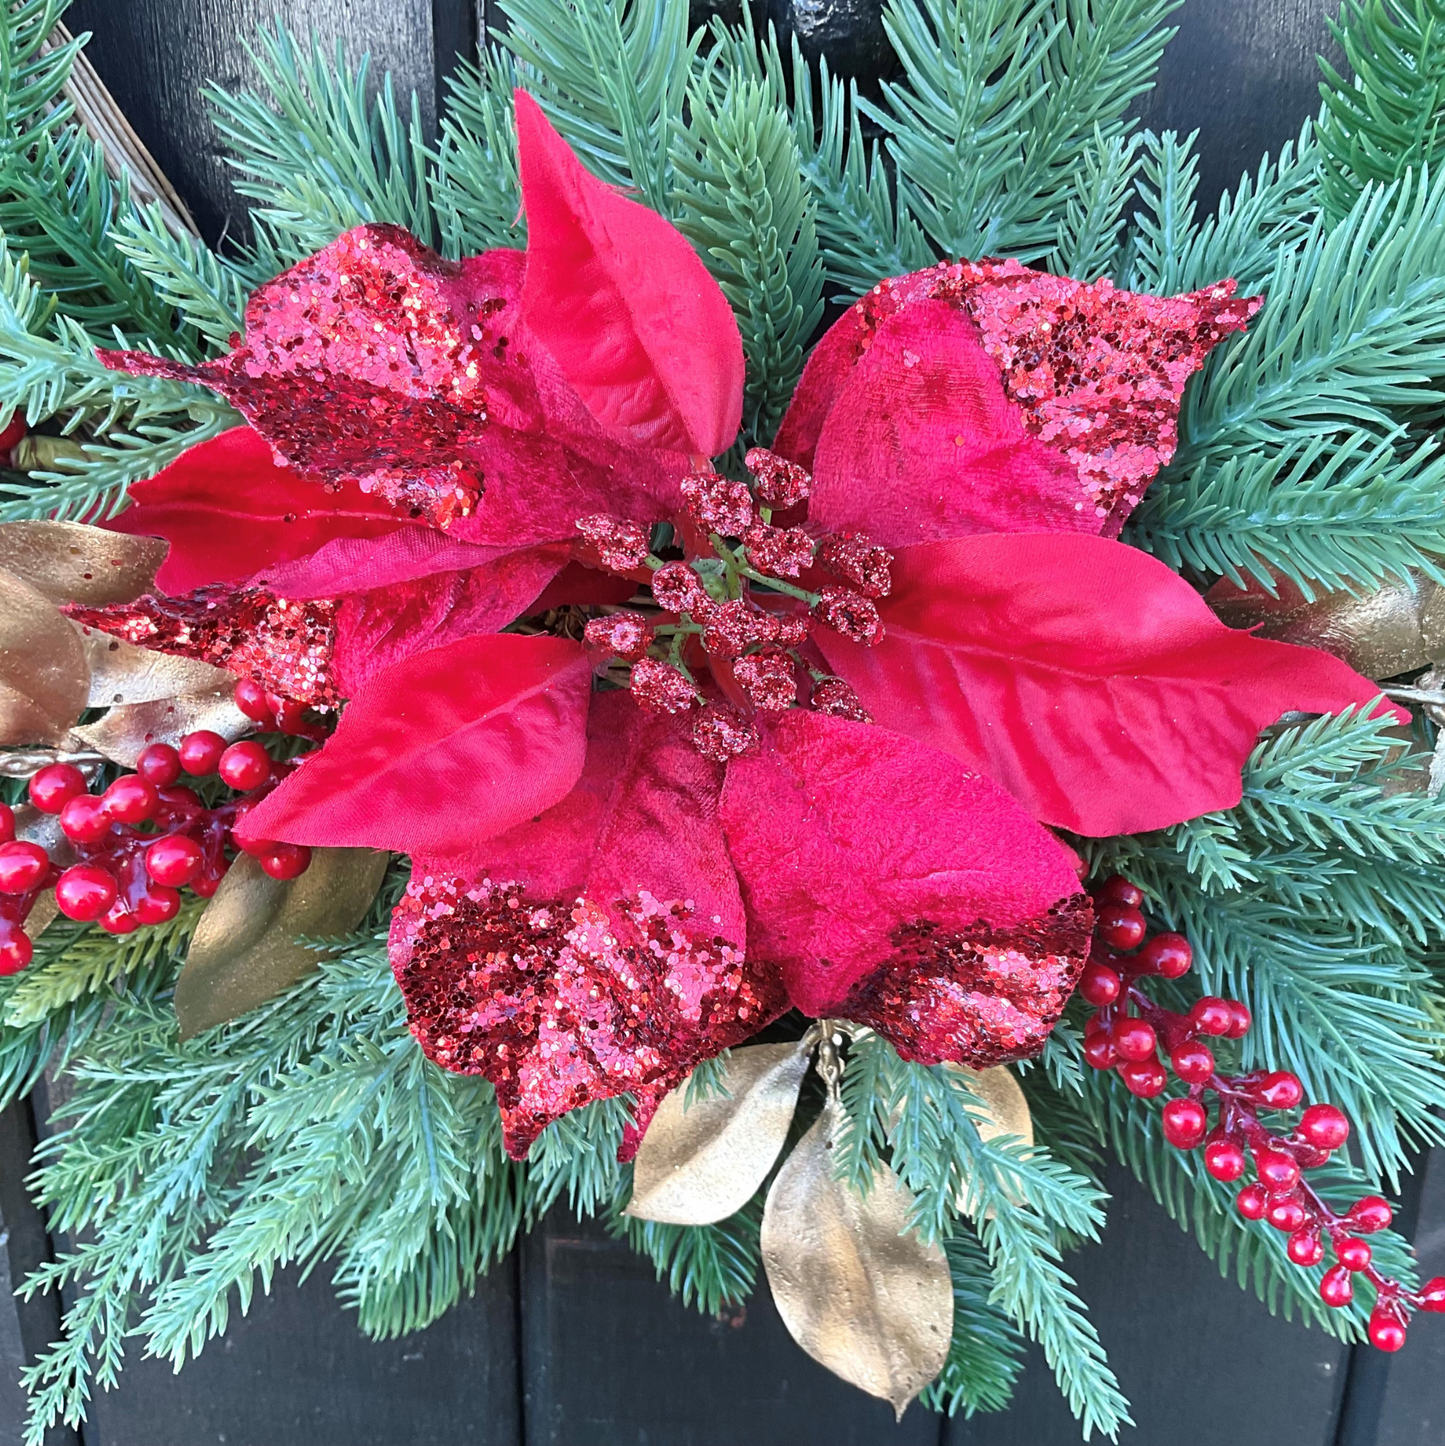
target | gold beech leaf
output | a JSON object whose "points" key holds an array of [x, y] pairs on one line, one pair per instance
{"points": [[44, 677], [70, 562], [856, 1288], [121, 673], [44, 829], [244, 950], [699, 1165], [124, 733], [1395, 629]]}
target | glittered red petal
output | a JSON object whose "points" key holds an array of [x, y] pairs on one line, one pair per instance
{"points": [[228, 510], [1093, 375], [849, 839], [621, 299], [1086, 677], [444, 749]]}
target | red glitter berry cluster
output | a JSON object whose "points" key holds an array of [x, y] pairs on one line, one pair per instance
{"points": [[1126, 1033], [130, 849], [752, 650]]}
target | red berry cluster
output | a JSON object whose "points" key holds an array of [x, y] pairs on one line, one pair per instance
{"points": [[1126, 1033], [751, 650], [138, 843]]}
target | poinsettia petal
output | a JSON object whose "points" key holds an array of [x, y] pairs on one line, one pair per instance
{"points": [[444, 749], [923, 444], [1083, 675], [585, 586], [1092, 375], [377, 629], [848, 839], [625, 305], [559, 1002], [643, 817], [227, 509], [375, 362]]}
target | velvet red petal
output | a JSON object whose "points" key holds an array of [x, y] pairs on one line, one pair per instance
{"points": [[376, 362], [376, 629], [1093, 374], [227, 510], [621, 299], [848, 839], [1083, 675], [643, 817], [444, 749], [923, 444]]}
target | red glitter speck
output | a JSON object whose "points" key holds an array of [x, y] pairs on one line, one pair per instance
{"points": [[620, 545], [718, 504], [780, 483], [621, 635], [736, 625], [661, 688], [849, 613], [722, 733], [779, 551], [676, 587], [857, 559], [768, 679], [837, 699]]}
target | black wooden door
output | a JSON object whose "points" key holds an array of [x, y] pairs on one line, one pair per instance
{"points": [[572, 1341]]}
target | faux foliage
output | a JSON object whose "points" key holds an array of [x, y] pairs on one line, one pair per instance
{"points": [[311, 1132]]}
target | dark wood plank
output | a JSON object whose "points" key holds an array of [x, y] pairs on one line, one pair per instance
{"points": [[297, 1370], [26, 1327], [1243, 72], [1186, 1344], [611, 1359], [155, 55]]}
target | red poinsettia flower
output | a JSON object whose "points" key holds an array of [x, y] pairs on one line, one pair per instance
{"points": [[811, 764]]}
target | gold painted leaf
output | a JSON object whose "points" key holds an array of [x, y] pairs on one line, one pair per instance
{"points": [[125, 732], [1396, 629], [856, 1288], [700, 1165], [1005, 1112], [244, 950], [70, 562], [121, 673], [44, 676]]}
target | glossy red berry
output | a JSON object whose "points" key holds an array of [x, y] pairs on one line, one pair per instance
{"points": [[85, 892], [201, 751], [1224, 1160], [7, 823], [1387, 1330], [23, 866], [1145, 1078], [1277, 1172], [1432, 1294], [1184, 1123], [1120, 926], [251, 699], [1239, 1019], [285, 860], [1280, 1090], [131, 799], [119, 919], [1100, 1052], [160, 764], [1324, 1127], [15, 947], [1286, 1214], [1252, 1202], [1167, 955], [204, 885], [245, 766], [1353, 1254], [1305, 1247], [1099, 984], [1134, 1039], [1336, 1287], [54, 785], [1193, 1062], [158, 905], [1370, 1214], [174, 861], [83, 820], [1118, 890], [1211, 1015]]}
